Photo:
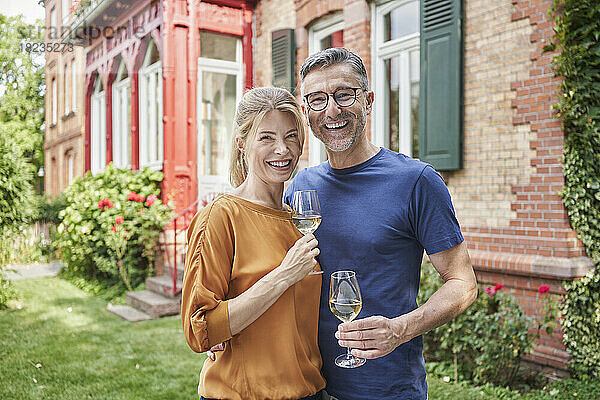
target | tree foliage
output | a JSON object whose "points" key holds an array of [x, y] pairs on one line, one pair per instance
{"points": [[21, 120]]}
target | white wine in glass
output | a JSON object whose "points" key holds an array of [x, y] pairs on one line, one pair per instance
{"points": [[306, 211], [345, 302], [306, 224]]}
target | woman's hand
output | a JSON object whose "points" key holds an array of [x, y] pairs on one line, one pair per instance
{"points": [[300, 258]]}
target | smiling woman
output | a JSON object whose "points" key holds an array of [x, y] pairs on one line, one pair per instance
{"points": [[259, 117], [274, 150], [244, 254]]}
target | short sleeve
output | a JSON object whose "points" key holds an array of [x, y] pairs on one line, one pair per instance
{"points": [[431, 213], [204, 311]]}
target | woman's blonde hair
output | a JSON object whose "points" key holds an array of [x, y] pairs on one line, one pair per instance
{"points": [[251, 110]]}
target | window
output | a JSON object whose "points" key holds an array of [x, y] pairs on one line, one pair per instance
{"points": [[73, 86], [54, 102], [121, 118], [328, 32], [66, 97], [396, 76], [69, 159], [151, 110], [52, 31], [219, 90], [98, 128], [66, 4]]}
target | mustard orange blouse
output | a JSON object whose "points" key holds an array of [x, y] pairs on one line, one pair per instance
{"points": [[232, 243]]}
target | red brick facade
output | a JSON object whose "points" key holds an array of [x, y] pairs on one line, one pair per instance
{"points": [[539, 246]]}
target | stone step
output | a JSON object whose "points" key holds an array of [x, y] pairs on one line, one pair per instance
{"points": [[128, 313], [163, 285], [153, 304]]}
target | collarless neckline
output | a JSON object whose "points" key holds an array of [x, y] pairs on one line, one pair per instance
{"points": [[357, 167], [258, 207]]}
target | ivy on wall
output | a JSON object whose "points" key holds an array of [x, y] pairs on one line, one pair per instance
{"points": [[577, 34]]}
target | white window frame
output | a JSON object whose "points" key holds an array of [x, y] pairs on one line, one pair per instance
{"points": [[53, 31], [151, 121], [70, 170], [383, 51], [215, 183], [65, 90], [54, 102], [98, 129], [73, 86], [121, 123], [65, 5], [320, 30]]}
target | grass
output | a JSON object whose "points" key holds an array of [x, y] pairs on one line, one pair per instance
{"points": [[63, 344]]}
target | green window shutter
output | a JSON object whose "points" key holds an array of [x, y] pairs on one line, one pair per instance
{"points": [[283, 59], [441, 85]]}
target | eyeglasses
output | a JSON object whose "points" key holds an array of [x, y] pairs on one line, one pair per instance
{"points": [[343, 97]]}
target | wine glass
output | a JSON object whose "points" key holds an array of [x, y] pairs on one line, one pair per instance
{"points": [[345, 302], [306, 214]]}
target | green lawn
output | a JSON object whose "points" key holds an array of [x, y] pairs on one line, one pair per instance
{"points": [[63, 344], [84, 352]]}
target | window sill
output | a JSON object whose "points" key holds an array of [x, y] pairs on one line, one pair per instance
{"points": [[153, 165]]}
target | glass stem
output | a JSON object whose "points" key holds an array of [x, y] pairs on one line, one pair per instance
{"points": [[349, 355]]}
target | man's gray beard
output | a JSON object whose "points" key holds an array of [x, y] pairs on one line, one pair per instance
{"points": [[360, 129], [342, 148]]}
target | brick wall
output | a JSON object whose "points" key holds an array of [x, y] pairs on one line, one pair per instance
{"points": [[67, 134], [496, 52], [515, 224], [270, 15]]}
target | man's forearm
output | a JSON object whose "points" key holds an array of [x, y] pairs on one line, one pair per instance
{"points": [[376, 336], [451, 299]]}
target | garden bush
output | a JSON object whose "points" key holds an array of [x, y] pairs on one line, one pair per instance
{"points": [[26, 244], [577, 34], [581, 325], [487, 341], [110, 228], [7, 291]]}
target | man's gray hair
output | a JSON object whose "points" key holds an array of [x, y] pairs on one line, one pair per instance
{"points": [[336, 55]]}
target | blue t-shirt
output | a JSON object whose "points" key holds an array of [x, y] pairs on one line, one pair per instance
{"points": [[378, 217]]}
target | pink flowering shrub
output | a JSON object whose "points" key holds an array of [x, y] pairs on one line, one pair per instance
{"points": [[487, 341], [109, 230]]}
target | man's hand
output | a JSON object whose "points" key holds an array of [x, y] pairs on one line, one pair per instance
{"points": [[377, 336], [372, 337]]}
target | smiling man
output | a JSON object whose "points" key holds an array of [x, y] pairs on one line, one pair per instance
{"points": [[380, 211]]}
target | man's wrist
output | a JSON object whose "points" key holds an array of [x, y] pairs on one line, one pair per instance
{"points": [[398, 327], [406, 326]]}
